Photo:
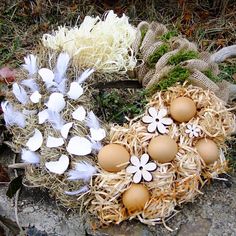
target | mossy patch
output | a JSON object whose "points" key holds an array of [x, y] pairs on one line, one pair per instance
{"points": [[211, 76], [157, 54], [183, 55], [115, 104], [176, 75], [167, 36]]}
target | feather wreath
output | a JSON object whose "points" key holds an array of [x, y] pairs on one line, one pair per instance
{"points": [[64, 145]]}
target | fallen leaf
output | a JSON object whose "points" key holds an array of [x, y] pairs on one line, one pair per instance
{"points": [[234, 76], [14, 185], [7, 74], [4, 177]]}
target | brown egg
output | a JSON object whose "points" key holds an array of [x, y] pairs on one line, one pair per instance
{"points": [[162, 148], [113, 157], [208, 150], [135, 198], [182, 109]]}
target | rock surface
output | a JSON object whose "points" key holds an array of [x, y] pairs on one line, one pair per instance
{"points": [[212, 214]]}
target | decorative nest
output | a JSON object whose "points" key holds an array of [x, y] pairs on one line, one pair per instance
{"points": [[175, 182], [50, 115]]}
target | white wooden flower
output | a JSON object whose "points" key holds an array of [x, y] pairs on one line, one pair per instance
{"points": [[157, 120], [193, 130], [141, 168]]}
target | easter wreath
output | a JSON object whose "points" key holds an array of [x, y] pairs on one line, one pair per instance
{"points": [[144, 168]]}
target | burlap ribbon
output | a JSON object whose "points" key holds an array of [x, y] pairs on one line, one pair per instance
{"points": [[144, 47]]}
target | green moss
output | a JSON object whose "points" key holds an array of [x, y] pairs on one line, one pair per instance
{"points": [[178, 74], [156, 55], [143, 33], [115, 105], [170, 34], [211, 76], [227, 71], [182, 56]]}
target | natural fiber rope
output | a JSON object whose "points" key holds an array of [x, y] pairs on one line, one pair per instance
{"points": [[150, 76]]}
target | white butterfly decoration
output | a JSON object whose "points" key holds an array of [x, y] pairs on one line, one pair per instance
{"points": [[12, 116], [31, 64], [96, 132], [83, 189], [30, 157], [35, 97], [58, 167], [79, 146], [65, 129], [54, 142], [83, 171], [79, 114], [20, 93], [36, 141]]}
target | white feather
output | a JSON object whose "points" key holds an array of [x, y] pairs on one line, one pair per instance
{"points": [[92, 121], [30, 64], [20, 93], [61, 67], [83, 171], [55, 119], [31, 84], [61, 87], [11, 116], [79, 191], [30, 157], [96, 146], [85, 75]]}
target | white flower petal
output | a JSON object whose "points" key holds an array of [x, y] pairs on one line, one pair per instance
{"points": [[144, 159], [150, 166], [35, 97], [152, 127], [162, 112], [148, 119], [152, 112], [65, 130], [137, 177], [47, 75], [132, 169], [161, 128], [97, 134], [54, 142], [75, 90], [43, 116], [56, 102], [195, 134], [135, 161], [197, 129], [146, 175], [166, 121], [58, 167], [189, 126], [36, 141], [187, 131], [79, 114], [79, 146]]}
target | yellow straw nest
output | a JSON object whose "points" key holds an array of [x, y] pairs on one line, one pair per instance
{"points": [[173, 183]]}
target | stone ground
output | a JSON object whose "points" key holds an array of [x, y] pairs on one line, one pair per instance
{"points": [[211, 214]]}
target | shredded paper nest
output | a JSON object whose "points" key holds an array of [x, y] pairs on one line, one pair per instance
{"points": [[51, 114], [173, 183]]}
